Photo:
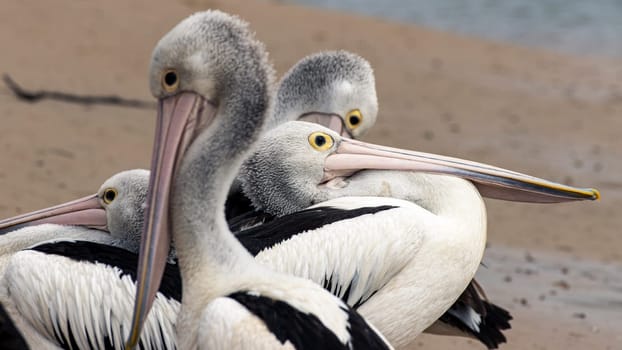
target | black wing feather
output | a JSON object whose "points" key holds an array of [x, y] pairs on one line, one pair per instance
{"points": [[495, 319], [248, 220], [237, 204], [10, 336], [306, 331], [124, 260], [256, 239]]}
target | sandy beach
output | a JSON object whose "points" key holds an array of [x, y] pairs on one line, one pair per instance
{"points": [[546, 114]]}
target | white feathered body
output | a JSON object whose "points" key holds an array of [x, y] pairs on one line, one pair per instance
{"points": [[406, 266], [50, 296]]}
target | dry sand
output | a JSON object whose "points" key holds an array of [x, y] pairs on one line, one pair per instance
{"points": [[546, 114]]}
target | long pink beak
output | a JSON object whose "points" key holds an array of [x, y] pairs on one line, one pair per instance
{"points": [[493, 182], [180, 118], [86, 211]]}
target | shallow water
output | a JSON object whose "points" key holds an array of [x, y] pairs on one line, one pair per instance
{"points": [[574, 26]]}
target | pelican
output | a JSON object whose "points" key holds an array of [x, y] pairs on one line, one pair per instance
{"points": [[212, 79], [71, 286], [337, 89], [403, 266], [117, 208]]}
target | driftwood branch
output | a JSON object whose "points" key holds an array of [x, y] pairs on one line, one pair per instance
{"points": [[36, 96]]}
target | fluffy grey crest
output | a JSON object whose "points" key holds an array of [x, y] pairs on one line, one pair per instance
{"points": [[333, 82]]}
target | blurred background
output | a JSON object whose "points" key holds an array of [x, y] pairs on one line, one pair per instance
{"points": [[533, 86], [570, 26]]}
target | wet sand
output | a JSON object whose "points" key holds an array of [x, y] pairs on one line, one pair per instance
{"points": [[547, 114]]}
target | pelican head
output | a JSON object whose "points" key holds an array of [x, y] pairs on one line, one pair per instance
{"points": [[117, 208], [194, 72], [123, 198], [294, 162], [212, 81], [334, 88]]}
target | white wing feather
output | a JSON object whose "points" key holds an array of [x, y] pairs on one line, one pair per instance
{"points": [[57, 295]]}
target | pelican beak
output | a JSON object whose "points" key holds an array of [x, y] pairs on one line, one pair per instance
{"points": [[86, 211], [331, 121], [180, 118], [492, 182]]}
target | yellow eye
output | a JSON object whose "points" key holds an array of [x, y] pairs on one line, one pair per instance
{"points": [[170, 80], [321, 141], [109, 195], [354, 118]]}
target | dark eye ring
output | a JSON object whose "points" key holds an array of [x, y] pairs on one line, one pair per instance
{"points": [[354, 120], [109, 195], [320, 140], [170, 80]]}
